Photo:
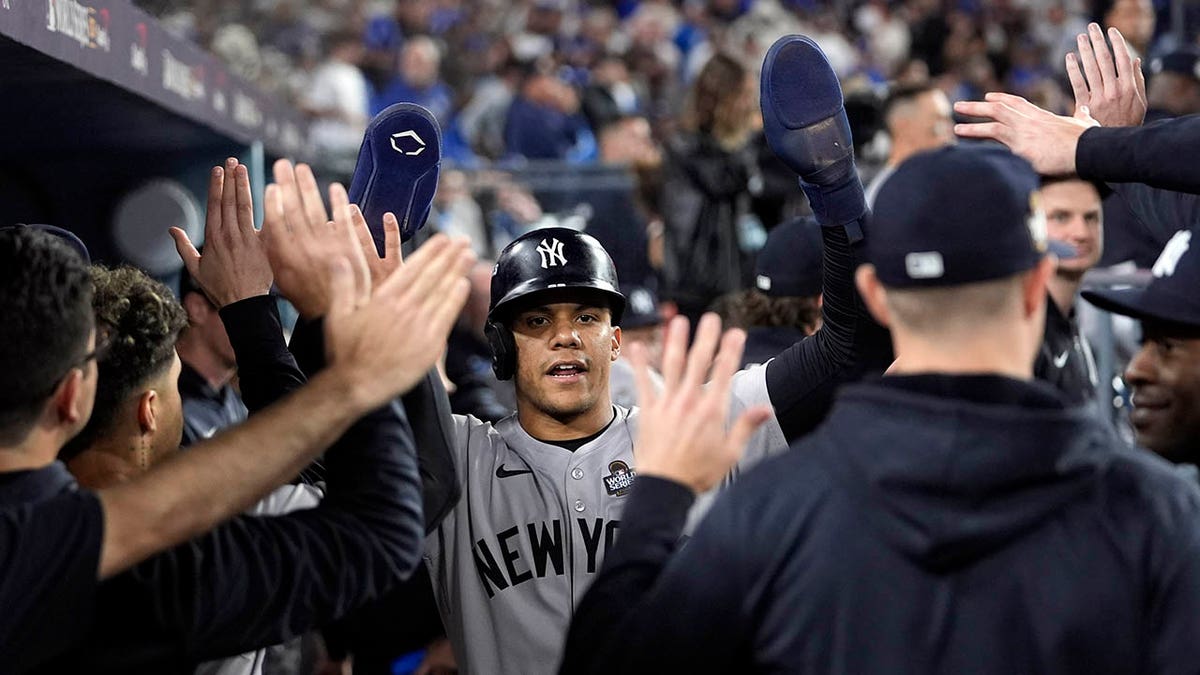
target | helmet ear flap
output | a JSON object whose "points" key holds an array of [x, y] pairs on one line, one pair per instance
{"points": [[504, 349]]}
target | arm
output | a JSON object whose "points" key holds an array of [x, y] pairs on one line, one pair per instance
{"points": [[266, 369], [1159, 154], [379, 345], [238, 587], [656, 606], [1160, 212]]}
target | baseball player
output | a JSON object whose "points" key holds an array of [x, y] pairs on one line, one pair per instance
{"points": [[543, 490]]}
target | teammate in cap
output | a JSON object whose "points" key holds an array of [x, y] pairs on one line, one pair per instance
{"points": [[543, 490], [954, 517]]}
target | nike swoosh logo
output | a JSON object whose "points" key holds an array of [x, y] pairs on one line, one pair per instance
{"points": [[1061, 359], [501, 472]]}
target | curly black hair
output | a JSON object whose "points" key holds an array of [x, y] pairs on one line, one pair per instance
{"points": [[45, 323], [139, 320], [752, 308]]}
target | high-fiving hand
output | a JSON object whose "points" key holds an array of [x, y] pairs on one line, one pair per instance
{"points": [[1110, 85], [234, 265], [682, 434]]}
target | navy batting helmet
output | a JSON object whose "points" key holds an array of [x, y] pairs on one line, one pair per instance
{"points": [[548, 259]]}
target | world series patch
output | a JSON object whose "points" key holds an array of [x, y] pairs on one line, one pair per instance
{"points": [[619, 479]]}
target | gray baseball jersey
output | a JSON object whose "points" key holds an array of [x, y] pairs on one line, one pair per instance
{"points": [[528, 535]]}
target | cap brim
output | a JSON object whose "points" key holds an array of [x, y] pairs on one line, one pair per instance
{"points": [[1138, 304]]}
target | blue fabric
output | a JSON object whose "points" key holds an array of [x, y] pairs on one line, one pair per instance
{"points": [[438, 98]]}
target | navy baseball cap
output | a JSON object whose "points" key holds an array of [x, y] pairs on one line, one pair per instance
{"points": [[789, 264], [66, 235], [1184, 62], [957, 215], [641, 307], [1172, 297]]}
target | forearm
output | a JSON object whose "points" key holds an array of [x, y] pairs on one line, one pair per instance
{"points": [[1160, 154], [223, 476], [1160, 212], [266, 370]]}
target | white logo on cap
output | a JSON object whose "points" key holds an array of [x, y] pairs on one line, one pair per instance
{"points": [[924, 265], [1172, 252], [552, 253], [415, 147], [1038, 229], [763, 282]]}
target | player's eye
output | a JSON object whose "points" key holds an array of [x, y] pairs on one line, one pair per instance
{"points": [[536, 321], [587, 318]]}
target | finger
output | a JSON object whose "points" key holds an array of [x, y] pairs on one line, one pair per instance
{"points": [[704, 347], [274, 223], [674, 353], [229, 214], [1122, 57], [289, 195], [359, 224], [391, 238], [647, 395], [1019, 108], [1078, 83], [245, 201], [729, 359], [338, 203], [187, 251], [342, 299], [421, 274], [745, 426], [989, 130], [358, 257], [1140, 79], [1091, 69], [988, 110], [310, 193], [212, 214], [1103, 58]]}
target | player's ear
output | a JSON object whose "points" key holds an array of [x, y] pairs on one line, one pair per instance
{"points": [[616, 342], [872, 293]]}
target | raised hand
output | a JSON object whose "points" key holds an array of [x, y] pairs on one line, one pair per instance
{"points": [[682, 434], [380, 267], [301, 240], [1045, 140], [234, 265], [388, 339], [1110, 85]]}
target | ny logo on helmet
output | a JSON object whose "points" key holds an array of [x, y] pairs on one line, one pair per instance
{"points": [[552, 253], [1171, 253]]}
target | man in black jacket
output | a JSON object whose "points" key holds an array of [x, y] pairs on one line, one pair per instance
{"points": [[955, 517]]}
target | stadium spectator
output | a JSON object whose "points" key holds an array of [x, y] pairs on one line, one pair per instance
{"points": [[917, 118], [1135, 19], [418, 81], [708, 172], [336, 97], [544, 122], [610, 95]]}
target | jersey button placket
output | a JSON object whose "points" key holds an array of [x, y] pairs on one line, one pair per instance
{"points": [[579, 505], [577, 473]]}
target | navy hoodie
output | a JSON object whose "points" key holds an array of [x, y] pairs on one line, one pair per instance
{"points": [[933, 524]]}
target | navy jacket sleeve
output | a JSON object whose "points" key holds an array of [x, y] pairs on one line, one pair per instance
{"points": [[655, 609], [429, 413], [801, 381], [266, 370], [1162, 212], [257, 581], [1161, 154], [49, 557]]}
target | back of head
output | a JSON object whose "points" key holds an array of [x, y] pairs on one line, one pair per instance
{"points": [[953, 234], [45, 323], [139, 320]]}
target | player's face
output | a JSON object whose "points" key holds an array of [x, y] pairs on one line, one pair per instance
{"points": [[1073, 215], [1165, 376], [564, 353]]}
